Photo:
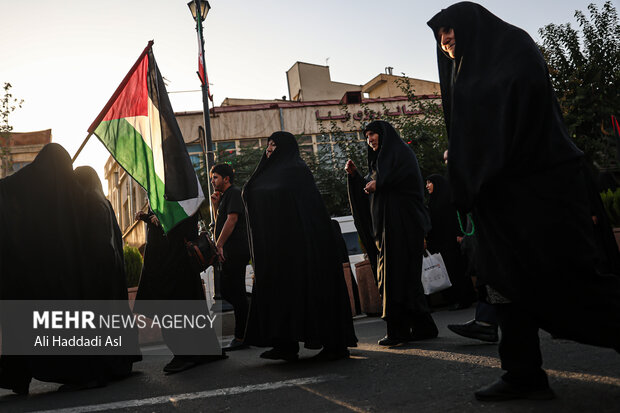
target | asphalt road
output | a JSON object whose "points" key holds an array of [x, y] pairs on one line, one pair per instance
{"points": [[437, 375]]}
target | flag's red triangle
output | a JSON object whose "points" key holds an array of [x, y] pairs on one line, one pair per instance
{"points": [[131, 96], [133, 99]]}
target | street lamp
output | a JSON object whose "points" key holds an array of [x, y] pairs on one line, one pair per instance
{"points": [[204, 8], [199, 9]]}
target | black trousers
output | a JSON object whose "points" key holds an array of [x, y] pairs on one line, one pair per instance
{"points": [[232, 284], [519, 348]]}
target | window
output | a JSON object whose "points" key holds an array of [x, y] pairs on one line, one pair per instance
{"points": [[196, 156], [304, 140], [19, 165], [352, 241], [124, 203], [249, 143]]}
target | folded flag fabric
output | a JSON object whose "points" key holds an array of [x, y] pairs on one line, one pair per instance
{"points": [[140, 130]]}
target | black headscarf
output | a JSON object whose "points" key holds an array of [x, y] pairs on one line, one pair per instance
{"points": [[299, 292], [394, 166], [42, 243], [502, 116]]}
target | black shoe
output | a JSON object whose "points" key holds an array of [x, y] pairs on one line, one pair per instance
{"points": [[18, 388], [236, 344], [277, 354], [331, 355], [393, 340], [179, 364], [182, 363], [473, 329], [501, 391], [93, 384], [424, 335]]}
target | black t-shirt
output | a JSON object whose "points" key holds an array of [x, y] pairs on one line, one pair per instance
{"points": [[231, 203]]}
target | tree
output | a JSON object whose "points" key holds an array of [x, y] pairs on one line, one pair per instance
{"points": [[585, 73], [8, 104]]}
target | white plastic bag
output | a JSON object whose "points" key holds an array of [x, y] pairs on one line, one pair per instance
{"points": [[434, 274]]}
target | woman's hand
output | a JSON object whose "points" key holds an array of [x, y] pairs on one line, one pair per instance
{"points": [[350, 167], [154, 220], [370, 187]]}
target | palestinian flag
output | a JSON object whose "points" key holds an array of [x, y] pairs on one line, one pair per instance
{"points": [[140, 130]]}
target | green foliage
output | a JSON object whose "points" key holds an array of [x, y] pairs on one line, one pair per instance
{"points": [[425, 133], [133, 265], [244, 164], [611, 202], [331, 182], [584, 69]]}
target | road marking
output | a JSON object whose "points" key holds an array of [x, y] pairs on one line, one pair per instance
{"points": [[335, 401], [486, 361], [175, 398]]}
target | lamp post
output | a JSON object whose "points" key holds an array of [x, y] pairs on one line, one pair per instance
{"points": [[199, 10]]}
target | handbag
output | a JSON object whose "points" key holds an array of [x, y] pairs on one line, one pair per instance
{"points": [[202, 252], [434, 274]]}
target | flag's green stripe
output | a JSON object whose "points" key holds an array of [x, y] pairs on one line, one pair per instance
{"points": [[133, 154]]}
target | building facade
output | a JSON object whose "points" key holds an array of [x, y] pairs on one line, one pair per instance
{"points": [[18, 149]]}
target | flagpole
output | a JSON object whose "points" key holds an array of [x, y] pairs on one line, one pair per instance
{"points": [[81, 147]]}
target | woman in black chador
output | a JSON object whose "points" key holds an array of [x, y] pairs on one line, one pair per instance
{"points": [[390, 216], [442, 238], [513, 165], [50, 250], [299, 292], [169, 278]]}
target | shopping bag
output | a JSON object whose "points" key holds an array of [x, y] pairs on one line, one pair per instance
{"points": [[434, 274]]}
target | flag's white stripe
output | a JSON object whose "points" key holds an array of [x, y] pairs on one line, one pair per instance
{"points": [[174, 398], [141, 124], [156, 144], [149, 127], [190, 206]]}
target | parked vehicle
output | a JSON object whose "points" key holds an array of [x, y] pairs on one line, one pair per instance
{"points": [[349, 233]]}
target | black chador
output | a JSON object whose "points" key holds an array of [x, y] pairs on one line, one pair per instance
{"points": [[299, 292], [53, 247], [392, 223], [167, 277], [512, 164]]}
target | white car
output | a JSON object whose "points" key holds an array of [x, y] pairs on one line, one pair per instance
{"points": [[349, 233]]}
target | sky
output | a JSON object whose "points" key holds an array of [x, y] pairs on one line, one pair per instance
{"points": [[65, 58]]}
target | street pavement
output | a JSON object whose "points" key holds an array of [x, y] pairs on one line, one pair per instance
{"points": [[437, 375]]}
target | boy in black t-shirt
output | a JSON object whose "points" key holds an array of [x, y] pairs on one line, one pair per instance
{"points": [[232, 246]]}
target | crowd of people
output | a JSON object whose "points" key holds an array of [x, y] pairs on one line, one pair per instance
{"points": [[512, 172]]}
